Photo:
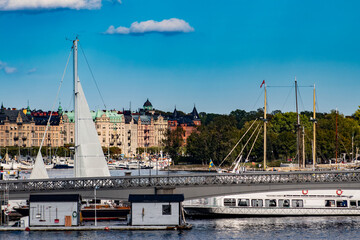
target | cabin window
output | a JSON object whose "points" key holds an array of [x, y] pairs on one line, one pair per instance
{"points": [[270, 202], [329, 203], [284, 203], [342, 203], [231, 202], [358, 204], [166, 209], [257, 202], [297, 203], [243, 203], [352, 203]]}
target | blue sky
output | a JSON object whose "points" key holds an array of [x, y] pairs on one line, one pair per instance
{"points": [[215, 55]]}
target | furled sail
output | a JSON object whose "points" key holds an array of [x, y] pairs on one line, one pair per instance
{"points": [[90, 160], [39, 170]]}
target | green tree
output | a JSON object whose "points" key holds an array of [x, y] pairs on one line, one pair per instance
{"points": [[173, 142]]}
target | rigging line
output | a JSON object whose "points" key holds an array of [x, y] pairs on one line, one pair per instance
{"points": [[238, 157], [92, 75], [301, 101], [252, 146], [257, 99], [53, 107], [287, 86], [242, 150], [291, 89], [71, 101], [237, 143]]}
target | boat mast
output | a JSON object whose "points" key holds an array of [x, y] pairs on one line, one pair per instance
{"points": [[297, 127], [314, 132], [76, 120], [265, 125], [336, 138]]}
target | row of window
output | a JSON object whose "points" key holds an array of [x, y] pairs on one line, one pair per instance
{"points": [[284, 203]]}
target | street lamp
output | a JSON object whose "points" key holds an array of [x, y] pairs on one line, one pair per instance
{"points": [[96, 187]]}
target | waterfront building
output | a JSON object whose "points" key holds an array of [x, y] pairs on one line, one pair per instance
{"points": [[126, 130], [188, 123], [112, 128], [26, 128], [151, 126]]}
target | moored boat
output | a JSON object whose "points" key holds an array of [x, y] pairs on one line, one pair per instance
{"points": [[335, 202]]}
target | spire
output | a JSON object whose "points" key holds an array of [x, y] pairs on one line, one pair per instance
{"points": [[60, 110], [28, 110], [195, 114], [175, 113]]}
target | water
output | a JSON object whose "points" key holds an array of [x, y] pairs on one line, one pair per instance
{"points": [[232, 228], [235, 228]]}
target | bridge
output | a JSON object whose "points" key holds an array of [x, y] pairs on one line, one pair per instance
{"points": [[191, 185]]}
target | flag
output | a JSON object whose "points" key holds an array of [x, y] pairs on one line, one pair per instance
{"points": [[211, 164], [263, 82]]}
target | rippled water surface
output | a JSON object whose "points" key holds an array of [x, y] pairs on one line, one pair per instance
{"points": [[243, 228]]}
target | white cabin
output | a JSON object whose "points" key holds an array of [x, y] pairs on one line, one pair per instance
{"points": [[156, 210], [54, 210]]}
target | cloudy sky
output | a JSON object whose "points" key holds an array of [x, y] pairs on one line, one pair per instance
{"points": [[214, 54]]}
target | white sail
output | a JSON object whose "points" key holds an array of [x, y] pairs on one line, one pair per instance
{"points": [[90, 160], [39, 170]]}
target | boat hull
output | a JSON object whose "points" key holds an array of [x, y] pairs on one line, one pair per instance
{"points": [[224, 212]]}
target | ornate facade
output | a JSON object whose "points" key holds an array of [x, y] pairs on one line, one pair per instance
{"points": [[126, 130], [26, 129], [188, 123]]}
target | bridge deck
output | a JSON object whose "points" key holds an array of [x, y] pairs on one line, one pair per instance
{"points": [[195, 181]]}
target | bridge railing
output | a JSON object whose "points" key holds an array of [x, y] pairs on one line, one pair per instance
{"points": [[188, 180]]}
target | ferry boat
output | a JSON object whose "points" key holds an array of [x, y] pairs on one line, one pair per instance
{"points": [[335, 202]]}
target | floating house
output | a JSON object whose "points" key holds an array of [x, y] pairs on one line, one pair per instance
{"points": [[156, 210], [54, 210]]}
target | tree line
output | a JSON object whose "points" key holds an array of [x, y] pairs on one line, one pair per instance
{"points": [[218, 134]]}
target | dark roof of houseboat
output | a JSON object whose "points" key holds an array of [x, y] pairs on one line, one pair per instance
{"points": [[156, 198], [55, 198]]}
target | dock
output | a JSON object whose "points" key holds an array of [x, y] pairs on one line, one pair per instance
{"points": [[97, 228]]}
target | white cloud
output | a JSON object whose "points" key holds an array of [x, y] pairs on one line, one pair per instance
{"points": [[14, 5], [8, 70], [32, 70], [172, 25]]}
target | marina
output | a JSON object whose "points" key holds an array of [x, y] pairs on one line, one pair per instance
{"points": [[179, 120]]}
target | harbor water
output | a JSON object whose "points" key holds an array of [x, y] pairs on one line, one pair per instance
{"points": [[230, 228]]}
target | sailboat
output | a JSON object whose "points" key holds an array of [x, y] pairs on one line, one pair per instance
{"points": [[89, 157]]}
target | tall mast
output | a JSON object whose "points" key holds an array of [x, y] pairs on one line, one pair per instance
{"points": [[303, 146], [297, 127], [265, 126], [336, 138], [76, 116], [314, 131]]}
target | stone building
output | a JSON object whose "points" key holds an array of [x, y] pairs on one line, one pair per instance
{"points": [[112, 129], [188, 123], [26, 129], [126, 130], [151, 127]]}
